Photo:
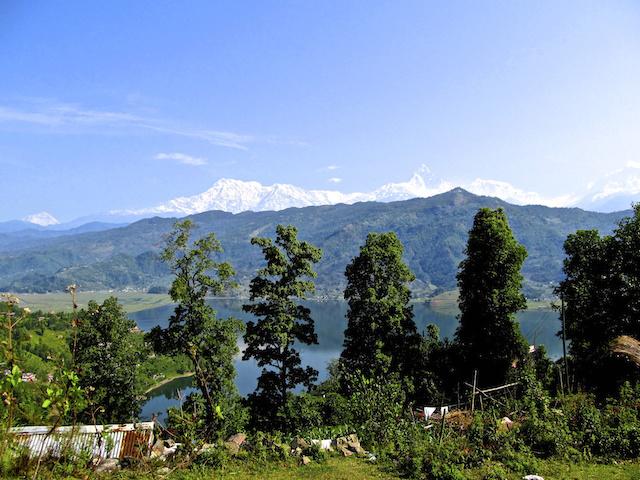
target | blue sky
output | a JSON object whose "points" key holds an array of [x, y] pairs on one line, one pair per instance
{"points": [[123, 104]]}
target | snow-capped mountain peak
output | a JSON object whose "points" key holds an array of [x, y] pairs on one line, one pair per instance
{"points": [[238, 196], [44, 219]]}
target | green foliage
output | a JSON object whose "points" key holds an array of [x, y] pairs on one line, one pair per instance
{"points": [[108, 354], [490, 284], [381, 336], [602, 296], [376, 407], [194, 330], [275, 293], [216, 457]]}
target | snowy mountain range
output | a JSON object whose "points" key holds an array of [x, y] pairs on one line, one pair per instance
{"points": [[238, 196], [613, 192]]}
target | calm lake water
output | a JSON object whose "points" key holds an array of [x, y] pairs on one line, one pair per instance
{"points": [[539, 327]]}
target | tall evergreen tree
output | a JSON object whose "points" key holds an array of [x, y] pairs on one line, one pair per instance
{"points": [[283, 321], [195, 330], [107, 354], [381, 336], [490, 285]]}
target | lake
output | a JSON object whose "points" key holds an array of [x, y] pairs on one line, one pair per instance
{"points": [[539, 326]]}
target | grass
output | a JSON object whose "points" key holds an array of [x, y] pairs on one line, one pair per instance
{"points": [[447, 303], [61, 302], [339, 468], [559, 470]]}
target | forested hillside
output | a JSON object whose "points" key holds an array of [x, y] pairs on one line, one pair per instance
{"points": [[433, 231]]}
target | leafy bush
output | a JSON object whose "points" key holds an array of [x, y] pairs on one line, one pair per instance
{"points": [[376, 407], [215, 457]]}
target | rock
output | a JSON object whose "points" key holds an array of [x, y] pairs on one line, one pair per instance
{"points": [[506, 423], [301, 443], [345, 451], [532, 477], [305, 460], [158, 449], [232, 447], [238, 439], [108, 465], [371, 457], [353, 442]]}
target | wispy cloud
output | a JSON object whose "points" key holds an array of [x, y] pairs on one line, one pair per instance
{"points": [[67, 118], [332, 167], [335, 180], [181, 158]]}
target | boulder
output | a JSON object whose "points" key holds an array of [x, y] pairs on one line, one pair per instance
{"points": [[238, 439], [345, 451], [532, 477], [301, 443], [351, 443], [232, 448], [108, 465], [305, 460], [506, 423]]}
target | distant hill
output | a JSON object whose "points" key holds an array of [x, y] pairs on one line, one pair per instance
{"points": [[433, 230]]}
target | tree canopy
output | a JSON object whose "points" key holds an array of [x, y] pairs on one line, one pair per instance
{"points": [[107, 354], [490, 285], [275, 292], [602, 295], [194, 329], [381, 336]]}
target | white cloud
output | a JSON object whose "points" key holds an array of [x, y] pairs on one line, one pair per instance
{"points": [[335, 180], [181, 158], [332, 167], [69, 118]]}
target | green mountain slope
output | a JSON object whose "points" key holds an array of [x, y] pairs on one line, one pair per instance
{"points": [[433, 230]]}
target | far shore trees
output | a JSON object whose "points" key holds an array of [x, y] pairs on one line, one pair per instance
{"points": [[490, 284], [282, 321], [194, 329], [381, 337]]}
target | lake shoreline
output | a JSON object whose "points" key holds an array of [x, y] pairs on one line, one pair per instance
{"points": [[168, 380]]}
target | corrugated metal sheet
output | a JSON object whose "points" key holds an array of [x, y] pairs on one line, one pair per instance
{"points": [[104, 441]]}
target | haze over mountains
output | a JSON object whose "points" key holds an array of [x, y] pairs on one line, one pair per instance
{"points": [[433, 230]]}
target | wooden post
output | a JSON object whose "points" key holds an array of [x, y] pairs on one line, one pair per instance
{"points": [[560, 377], [442, 414], [473, 393]]}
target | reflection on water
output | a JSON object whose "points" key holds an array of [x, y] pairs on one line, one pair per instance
{"points": [[538, 326]]}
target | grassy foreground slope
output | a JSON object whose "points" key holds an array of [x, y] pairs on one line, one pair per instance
{"points": [[337, 468]]}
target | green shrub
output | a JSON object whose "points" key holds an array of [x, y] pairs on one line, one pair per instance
{"points": [[316, 454], [494, 471], [376, 407], [268, 447], [216, 457]]}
